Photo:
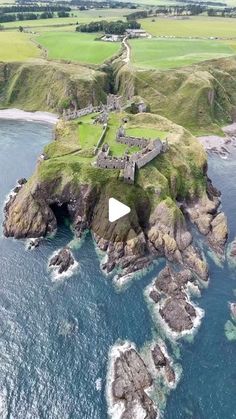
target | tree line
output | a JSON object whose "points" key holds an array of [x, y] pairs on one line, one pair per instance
{"points": [[115, 28], [226, 12], [33, 8], [30, 16]]}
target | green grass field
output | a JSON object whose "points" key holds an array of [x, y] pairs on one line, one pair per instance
{"points": [[16, 46], [78, 17], [197, 26], [76, 46], [88, 132], [146, 133], [173, 53]]}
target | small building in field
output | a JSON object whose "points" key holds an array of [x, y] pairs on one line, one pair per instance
{"points": [[112, 38], [136, 33]]}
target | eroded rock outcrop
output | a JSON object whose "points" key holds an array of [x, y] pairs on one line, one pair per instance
{"points": [[173, 301], [62, 260], [130, 379], [161, 360], [169, 237], [210, 222]]}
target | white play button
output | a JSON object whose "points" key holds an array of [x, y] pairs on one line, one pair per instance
{"points": [[117, 210]]}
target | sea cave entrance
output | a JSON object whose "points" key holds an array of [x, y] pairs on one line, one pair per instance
{"points": [[62, 214]]}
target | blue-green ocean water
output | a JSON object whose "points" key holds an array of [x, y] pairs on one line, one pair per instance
{"points": [[46, 373]]}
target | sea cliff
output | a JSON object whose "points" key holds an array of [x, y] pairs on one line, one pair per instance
{"points": [[170, 190]]}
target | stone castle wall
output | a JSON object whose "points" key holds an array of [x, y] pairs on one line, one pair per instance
{"points": [[110, 162], [146, 158], [133, 141], [129, 172], [80, 112]]}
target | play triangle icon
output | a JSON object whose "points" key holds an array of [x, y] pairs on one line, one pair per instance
{"points": [[117, 210]]}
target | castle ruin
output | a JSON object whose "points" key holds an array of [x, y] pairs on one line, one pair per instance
{"points": [[129, 163]]}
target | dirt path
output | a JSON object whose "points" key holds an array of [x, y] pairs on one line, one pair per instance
{"points": [[128, 51]]}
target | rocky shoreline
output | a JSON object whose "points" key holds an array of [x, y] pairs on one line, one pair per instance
{"points": [[215, 144], [165, 233]]}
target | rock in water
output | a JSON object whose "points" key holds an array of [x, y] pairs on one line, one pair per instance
{"points": [[33, 243], [158, 357], [178, 314], [22, 181], [131, 379], [63, 260], [175, 307]]}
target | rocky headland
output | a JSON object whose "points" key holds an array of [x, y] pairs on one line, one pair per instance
{"points": [[162, 201]]}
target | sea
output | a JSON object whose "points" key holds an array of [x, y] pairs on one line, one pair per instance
{"points": [[55, 334]]}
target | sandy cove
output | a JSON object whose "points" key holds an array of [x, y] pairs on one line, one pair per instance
{"points": [[17, 114]]}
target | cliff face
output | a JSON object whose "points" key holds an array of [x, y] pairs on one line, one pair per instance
{"points": [[165, 190], [50, 86], [203, 94]]}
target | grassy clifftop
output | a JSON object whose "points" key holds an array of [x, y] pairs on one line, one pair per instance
{"points": [[202, 97], [179, 173], [49, 86]]}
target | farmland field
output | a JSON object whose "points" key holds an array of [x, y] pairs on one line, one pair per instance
{"points": [[76, 46], [78, 17], [198, 26], [16, 46], [172, 53]]}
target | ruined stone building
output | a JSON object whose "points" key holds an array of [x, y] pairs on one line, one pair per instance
{"points": [[129, 163]]}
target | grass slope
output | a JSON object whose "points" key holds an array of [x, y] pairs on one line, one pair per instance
{"points": [[201, 98], [77, 47], [16, 46], [49, 86], [173, 53]]}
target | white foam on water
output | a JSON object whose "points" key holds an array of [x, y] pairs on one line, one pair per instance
{"points": [[98, 384], [30, 243], [193, 289], [138, 412]]}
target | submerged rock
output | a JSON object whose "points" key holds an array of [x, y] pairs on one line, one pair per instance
{"points": [[230, 331], [63, 260]]}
